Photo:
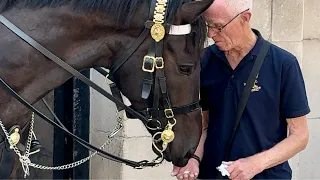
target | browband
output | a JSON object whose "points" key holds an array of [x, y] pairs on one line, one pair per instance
{"points": [[180, 29]]}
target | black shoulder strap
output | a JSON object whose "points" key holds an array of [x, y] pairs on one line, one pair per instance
{"points": [[246, 92]]}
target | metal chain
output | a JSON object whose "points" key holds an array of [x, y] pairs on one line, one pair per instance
{"points": [[25, 161], [30, 135], [79, 162], [71, 165]]}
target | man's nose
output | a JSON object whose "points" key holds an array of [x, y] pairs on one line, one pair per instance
{"points": [[211, 33]]}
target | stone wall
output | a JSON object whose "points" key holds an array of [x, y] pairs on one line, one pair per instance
{"points": [[294, 25]]}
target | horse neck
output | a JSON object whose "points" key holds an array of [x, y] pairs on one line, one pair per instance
{"points": [[81, 40]]}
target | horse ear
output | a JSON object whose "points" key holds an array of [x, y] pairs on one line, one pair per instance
{"points": [[192, 10]]}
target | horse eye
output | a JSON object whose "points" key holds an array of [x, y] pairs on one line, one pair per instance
{"points": [[185, 69]]}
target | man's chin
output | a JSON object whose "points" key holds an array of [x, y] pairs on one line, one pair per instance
{"points": [[221, 48], [219, 45]]}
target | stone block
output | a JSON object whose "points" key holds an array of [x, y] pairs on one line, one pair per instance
{"points": [[312, 19], [135, 128], [309, 158], [140, 149], [102, 122], [310, 68], [102, 168], [261, 17], [102, 110], [294, 164], [294, 48], [287, 22]]}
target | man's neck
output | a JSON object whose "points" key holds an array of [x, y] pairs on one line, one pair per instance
{"points": [[236, 54]]}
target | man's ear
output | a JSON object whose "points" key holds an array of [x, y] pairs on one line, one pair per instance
{"points": [[192, 10], [246, 17]]}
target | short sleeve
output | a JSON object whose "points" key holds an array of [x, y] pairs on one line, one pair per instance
{"points": [[294, 101], [204, 78], [204, 100]]}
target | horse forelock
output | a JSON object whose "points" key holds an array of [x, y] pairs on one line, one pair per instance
{"points": [[121, 10]]}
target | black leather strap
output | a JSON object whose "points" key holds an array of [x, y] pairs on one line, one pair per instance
{"points": [[117, 94], [116, 99], [77, 74], [67, 67], [176, 110], [76, 138], [126, 54], [134, 46], [247, 90], [147, 80], [148, 112]]}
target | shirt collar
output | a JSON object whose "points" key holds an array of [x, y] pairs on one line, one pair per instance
{"points": [[256, 49]]}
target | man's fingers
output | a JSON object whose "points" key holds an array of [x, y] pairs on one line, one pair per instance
{"points": [[227, 162], [234, 173], [232, 170], [186, 176], [231, 167], [175, 171]]}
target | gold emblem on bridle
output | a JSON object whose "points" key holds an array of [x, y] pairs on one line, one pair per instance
{"points": [[157, 30], [167, 135], [15, 137]]}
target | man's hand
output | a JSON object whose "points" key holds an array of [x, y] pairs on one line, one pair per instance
{"points": [[188, 172], [245, 168]]}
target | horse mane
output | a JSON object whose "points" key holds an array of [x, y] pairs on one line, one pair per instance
{"points": [[121, 10]]}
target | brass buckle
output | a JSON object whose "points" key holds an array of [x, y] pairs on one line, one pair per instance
{"points": [[168, 113], [148, 60], [160, 61]]}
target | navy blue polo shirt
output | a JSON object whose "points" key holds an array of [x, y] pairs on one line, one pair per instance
{"points": [[279, 94]]}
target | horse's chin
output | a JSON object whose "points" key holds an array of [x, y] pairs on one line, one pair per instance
{"points": [[180, 162], [177, 161]]}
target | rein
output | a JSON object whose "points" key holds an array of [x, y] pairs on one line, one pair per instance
{"points": [[153, 67]]}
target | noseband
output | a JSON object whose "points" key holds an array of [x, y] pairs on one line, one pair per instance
{"points": [[153, 66]]}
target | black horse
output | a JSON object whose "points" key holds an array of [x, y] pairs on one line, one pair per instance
{"points": [[93, 33]]}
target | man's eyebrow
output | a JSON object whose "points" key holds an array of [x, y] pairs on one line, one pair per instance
{"points": [[210, 22], [214, 23]]}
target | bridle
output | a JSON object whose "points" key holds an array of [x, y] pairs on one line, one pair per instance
{"points": [[154, 81]]}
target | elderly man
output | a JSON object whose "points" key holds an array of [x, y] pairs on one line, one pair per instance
{"points": [[273, 126]]}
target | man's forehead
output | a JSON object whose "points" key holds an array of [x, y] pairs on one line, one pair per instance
{"points": [[216, 15], [217, 11]]}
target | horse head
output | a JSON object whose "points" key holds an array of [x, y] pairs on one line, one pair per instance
{"points": [[159, 75], [166, 88]]}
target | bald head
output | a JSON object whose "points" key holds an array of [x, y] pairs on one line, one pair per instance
{"points": [[231, 7], [228, 23]]}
